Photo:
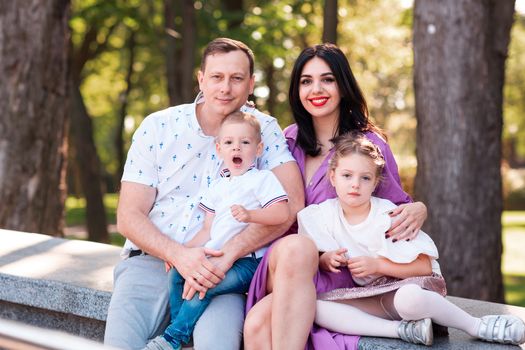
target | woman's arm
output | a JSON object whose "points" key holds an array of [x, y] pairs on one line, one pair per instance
{"points": [[363, 266], [408, 216]]}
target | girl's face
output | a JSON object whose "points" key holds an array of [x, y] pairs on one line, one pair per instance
{"points": [[318, 89], [354, 180]]}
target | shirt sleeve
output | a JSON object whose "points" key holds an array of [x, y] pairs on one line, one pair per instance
{"points": [[207, 200], [269, 190], [311, 223], [275, 148], [141, 162], [390, 186]]}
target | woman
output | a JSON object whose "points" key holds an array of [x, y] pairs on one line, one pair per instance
{"points": [[326, 102]]}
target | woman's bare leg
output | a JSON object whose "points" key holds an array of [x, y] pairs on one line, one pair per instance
{"points": [[292, 265], [257, 326]]}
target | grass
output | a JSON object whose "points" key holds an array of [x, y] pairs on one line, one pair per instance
{"points": [[513, 259]]}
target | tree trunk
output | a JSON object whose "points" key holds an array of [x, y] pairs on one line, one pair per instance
{"points": [[330, 22], [189, 39], [33, 114], [272, 93], [460, 49], [88, 166], [235, 10], [124, 95], [173, 54]]}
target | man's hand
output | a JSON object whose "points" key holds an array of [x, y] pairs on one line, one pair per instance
{"points": [[363, 266], [240, 213], [197, 269], [222, 263], [333, 260]]}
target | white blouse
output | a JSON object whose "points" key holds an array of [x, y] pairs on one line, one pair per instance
{"points": [[327, 226]]}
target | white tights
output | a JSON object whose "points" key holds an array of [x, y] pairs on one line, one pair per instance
{"points": [[379, 316]]}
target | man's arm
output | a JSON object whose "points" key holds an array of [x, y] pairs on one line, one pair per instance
{"points": [[256, 236], [135, 203]]}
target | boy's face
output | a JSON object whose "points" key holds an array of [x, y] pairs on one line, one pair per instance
{"points": [[238, 145]]}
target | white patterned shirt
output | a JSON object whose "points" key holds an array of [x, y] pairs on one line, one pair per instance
{"points": [[170, 152]]}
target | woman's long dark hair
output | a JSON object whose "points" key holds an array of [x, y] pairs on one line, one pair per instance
{"points": [[353, 109]]}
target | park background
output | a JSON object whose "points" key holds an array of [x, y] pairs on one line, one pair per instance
{"points": [[114, 62]]}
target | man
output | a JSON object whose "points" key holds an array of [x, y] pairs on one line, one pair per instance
{"points": [[172, 160]]}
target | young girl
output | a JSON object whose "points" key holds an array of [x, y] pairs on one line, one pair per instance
{"points": [[403, 290]]}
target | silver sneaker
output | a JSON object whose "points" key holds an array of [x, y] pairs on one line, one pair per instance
{"points": [[416, 332], [159, 343], [505, 329]]}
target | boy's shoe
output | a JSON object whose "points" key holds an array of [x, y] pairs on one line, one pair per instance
{"points": [[160, 343], [505, 329], [416, 332]]}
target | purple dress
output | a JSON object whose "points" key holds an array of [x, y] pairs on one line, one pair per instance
{"points": [[318, 190]]}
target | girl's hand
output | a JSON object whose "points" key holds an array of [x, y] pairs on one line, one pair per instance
{"points": [[333, 260], [167, 266], [408, 219], [363, 266], [240, 213]]}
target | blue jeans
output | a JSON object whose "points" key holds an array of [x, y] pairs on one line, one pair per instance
{"points": [[185, 313]]}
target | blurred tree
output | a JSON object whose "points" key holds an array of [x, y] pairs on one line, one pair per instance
{"points": [[33, 108], [330, 21], [180, 50], [459, 55], [514, 101]]}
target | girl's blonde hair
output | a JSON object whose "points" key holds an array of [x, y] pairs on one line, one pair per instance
{"points": [[355, 142]]}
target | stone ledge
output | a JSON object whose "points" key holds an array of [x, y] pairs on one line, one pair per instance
{"points": [[56, 283], [456, 340], [66, 285]]}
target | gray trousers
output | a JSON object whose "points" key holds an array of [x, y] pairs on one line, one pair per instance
{"points": [[138, 310]]}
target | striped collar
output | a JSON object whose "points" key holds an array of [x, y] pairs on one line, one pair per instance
{"points": [[226, 172]]}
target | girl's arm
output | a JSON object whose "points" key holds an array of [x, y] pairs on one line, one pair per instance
{"points": [[203, 235], [363, 266], [275, 214]]}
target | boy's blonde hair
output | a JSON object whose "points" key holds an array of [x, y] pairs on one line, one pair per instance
{"points": [[239, 117]]}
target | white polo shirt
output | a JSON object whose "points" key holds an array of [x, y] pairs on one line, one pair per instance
{"points": [[255, 189], [170, 152]]}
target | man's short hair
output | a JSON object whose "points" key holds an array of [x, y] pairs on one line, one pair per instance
{"points": [[225, 45]]}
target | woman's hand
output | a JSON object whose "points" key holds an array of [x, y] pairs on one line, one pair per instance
{"points": [[407, 221], [333, 260]]}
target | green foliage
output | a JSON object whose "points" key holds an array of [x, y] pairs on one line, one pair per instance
{"points": [[513, 259], [76, 209], [375, 34]]}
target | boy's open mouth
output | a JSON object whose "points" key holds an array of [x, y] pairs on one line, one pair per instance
{"points": [[237, 160]]}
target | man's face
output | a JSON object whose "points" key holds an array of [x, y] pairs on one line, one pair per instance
{"points": [[226, 82]]}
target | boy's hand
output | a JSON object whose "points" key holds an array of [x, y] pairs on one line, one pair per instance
{"points": [[240, 213], [333, 260], [363, 266]]}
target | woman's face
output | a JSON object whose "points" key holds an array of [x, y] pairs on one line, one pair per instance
{"points": [[318, 90]]}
